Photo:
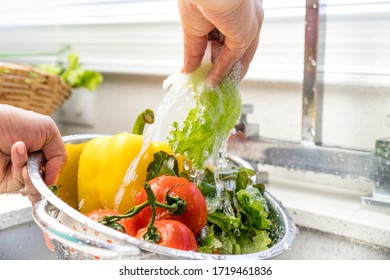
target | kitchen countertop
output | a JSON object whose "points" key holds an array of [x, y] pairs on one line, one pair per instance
{"points": [[14, 209], [332, 210]]}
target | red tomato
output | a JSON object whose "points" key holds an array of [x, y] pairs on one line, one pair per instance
{"points": [[195, 214], [173, 234], [127, 223]]}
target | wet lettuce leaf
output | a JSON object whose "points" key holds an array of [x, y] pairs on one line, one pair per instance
{"points": [[241, 231], [255, 208], [208, 124]]}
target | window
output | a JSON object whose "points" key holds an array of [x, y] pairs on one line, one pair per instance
{"points": [[144, 37]]}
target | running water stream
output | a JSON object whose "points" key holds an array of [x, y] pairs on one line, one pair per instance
{"points": [[173, 107], [176, 104]]}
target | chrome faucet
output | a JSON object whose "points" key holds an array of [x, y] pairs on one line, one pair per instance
{"points": [[310, 154]]}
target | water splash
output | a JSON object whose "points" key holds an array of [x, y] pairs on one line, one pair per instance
{"points": [[173, 107]]}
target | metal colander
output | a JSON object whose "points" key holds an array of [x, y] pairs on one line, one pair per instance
{"points": [[75, 236]]}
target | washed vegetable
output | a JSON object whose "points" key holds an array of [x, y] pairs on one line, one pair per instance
{"points": [[239, 219], [173, 234], [228, 215], [171, 188], [103, 164], [208, 124], [178, 199], [67, 180], [125, 225], [151, 232]]}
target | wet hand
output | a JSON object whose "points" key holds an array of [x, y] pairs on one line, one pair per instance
{"points": [[238, 23], [23, 132]]}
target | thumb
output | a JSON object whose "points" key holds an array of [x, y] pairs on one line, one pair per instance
{"points": [[18, 160]]}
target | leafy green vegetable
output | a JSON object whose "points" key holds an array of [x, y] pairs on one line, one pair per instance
{"points": [[163, 164], [238, 220], [210, 122], [255, 207], [74, 75]]}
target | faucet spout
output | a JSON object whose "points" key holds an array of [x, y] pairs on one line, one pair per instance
{"points": [[381, 175]]}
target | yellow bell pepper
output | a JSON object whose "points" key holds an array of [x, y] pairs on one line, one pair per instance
{"points": [[104, 162], [103, 166], [67, 180]]}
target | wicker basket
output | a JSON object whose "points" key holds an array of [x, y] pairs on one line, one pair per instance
{"points": [[26, 87]]}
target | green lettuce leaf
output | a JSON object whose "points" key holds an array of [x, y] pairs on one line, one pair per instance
{"points": [[201, 135], [243, 229], [255, 207]]}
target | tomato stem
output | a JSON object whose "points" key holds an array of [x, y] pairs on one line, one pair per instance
{"points": [[174, 204], [151, 234], [109, 219]]}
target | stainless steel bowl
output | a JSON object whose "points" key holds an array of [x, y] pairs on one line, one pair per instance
{"points": [[74, 236]]}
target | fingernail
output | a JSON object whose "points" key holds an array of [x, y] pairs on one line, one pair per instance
{"points": [[210, 83], [20, 149]]}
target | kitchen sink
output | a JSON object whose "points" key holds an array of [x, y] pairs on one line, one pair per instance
{"points": [[22, 239]]}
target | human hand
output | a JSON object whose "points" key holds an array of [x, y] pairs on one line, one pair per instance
{"points": [[23, 132], [238, 21]]}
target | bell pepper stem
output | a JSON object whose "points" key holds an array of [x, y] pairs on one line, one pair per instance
{"points": [[146, 117]]}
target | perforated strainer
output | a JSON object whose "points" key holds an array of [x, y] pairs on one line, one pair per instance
{"points": [[75, 236]]}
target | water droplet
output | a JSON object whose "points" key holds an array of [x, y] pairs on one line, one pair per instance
{"points": [[171, 163], [193, 173], [186, 165], [81, 203]]}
